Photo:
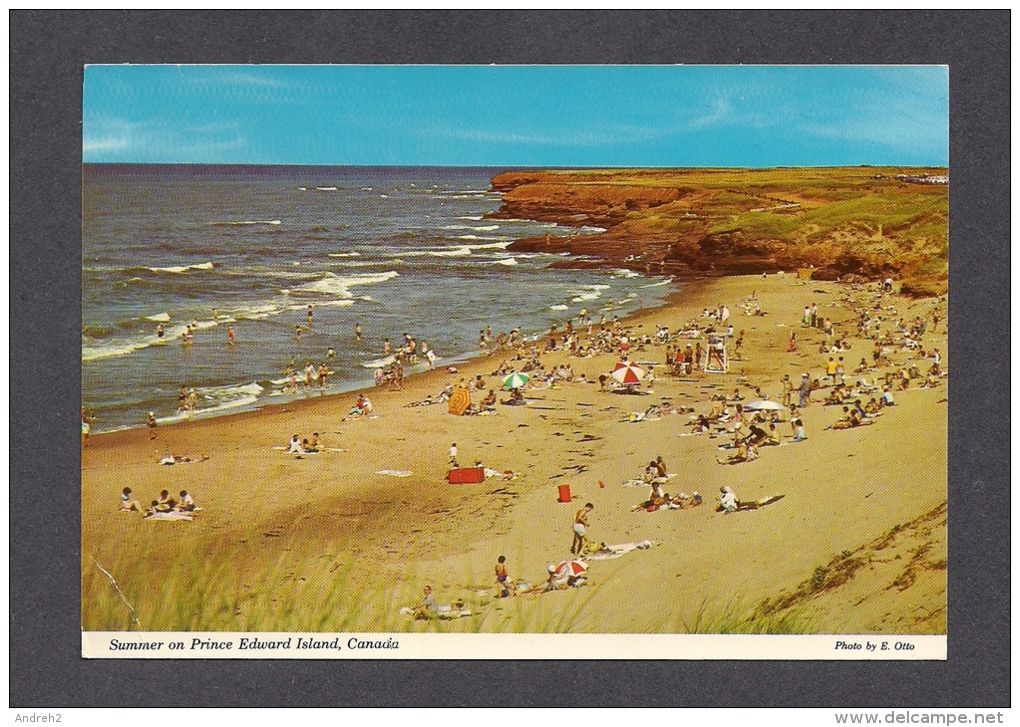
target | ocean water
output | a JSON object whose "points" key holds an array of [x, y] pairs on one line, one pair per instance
{"points": [[393, 249]]}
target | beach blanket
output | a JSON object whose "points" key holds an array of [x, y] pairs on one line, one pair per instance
{"points": [[640, 416], [507, 475], [394, 473], [642, 483], [605, 552], [445, 612], [179, 516]]}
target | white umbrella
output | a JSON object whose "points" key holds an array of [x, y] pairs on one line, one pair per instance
{"points": [[763, 405]]}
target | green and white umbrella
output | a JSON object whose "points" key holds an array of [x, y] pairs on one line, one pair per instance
{"points": [[516, 380]]}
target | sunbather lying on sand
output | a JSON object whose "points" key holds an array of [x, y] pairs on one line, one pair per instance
{"points": [[516, 398], [168, 459]]}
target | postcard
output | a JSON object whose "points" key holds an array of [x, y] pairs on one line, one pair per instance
{"points": [[514, 362]]}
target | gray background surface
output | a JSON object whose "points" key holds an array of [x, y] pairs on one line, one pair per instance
{"points": [[47, 53]]}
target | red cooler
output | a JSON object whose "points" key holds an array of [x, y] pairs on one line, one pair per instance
{"points": [[466, 476]]}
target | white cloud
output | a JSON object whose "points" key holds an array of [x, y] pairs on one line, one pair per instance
{"points": [[721, 111], [117, 139]]}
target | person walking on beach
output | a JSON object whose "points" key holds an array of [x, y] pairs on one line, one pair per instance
{"points": [[814, 315], [580, 542], [152, 425], [453, 456], [805, 390], [830, 370], [323, 375]]}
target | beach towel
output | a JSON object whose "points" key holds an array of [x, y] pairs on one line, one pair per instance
{"points": [[640, 416], [445, 612], [507, 475], [605, 552], [179, 516], [394, 473], [642, 483]]}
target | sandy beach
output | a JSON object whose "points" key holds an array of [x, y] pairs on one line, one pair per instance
{"points": [[325, 543]]}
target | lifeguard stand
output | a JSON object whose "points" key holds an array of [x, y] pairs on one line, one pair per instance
{"points": [[716, 358]]}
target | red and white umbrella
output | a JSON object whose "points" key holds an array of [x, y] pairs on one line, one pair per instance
{"points": [[570, 568], [628, 373]]}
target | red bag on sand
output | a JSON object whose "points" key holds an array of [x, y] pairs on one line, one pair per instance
{"points": [[466, 476]]}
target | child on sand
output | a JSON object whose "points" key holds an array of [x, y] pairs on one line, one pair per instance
{"points": [[187, 502], [152, 425], [502, 579], [128, 503]]}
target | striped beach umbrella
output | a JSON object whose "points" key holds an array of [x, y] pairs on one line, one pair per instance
{"points": [[516, 380], [570, 568], [628, 373]]}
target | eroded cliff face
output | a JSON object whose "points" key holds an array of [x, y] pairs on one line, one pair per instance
{"points": [[581, 203], [841, 221]]}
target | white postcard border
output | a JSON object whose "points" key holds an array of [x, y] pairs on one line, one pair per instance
{"points": [[248, 645]]}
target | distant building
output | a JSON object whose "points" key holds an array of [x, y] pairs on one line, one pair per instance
{"points": [[924, 178]]}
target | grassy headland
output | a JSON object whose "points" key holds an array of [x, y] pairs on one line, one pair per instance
{"points": [[865, 221]]}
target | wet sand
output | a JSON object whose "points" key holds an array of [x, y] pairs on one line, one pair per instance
{"points": [[332, 513]]}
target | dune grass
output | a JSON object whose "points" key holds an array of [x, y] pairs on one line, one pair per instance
{"points": [[219, 597]]}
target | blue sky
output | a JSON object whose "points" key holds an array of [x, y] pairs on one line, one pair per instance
{"points": [[657, 116]]}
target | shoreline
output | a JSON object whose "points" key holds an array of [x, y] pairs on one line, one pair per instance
{"points": [[300, 400]]}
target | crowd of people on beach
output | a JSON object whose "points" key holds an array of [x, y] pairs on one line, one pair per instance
{"points": [[747, 420]]}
